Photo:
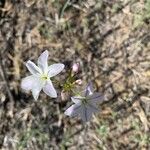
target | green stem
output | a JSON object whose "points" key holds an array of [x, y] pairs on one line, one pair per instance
{"points": [[64, 7]]}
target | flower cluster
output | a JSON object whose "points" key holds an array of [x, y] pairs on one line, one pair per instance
{"points": [[85, 103]]}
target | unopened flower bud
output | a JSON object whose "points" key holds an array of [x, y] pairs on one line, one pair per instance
{"points": [[79, 81], [75, 67]]}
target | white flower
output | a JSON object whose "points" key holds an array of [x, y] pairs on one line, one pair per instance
{"points": [[40, 78], [85, 105]]}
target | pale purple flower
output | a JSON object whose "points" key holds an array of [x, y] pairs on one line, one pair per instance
{"points": [[85, 105], [40, 78]]}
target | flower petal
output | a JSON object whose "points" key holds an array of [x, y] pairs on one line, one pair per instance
{"points": [[84, 114], [55, 69], [27, 83], [92, 108], [73, 110], [95, 98], [87, 112], [89, 89], [49, 89], [33, 68], [42, 61], [76, 100], [37, 87]]}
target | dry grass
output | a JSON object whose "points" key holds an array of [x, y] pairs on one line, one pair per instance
{"points": [[110, 39]]}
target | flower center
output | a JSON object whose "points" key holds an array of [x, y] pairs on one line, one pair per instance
{"points": [[84, 101], [44, 77]]}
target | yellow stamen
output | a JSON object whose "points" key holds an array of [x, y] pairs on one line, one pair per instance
{"points": [[44, 77]]}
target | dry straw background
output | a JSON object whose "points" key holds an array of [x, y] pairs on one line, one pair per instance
{"points": [[110, 39]]}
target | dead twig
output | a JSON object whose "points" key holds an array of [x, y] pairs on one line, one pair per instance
{"points": [[4, 77]]}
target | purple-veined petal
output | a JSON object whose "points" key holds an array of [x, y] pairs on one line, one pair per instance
{"points": [[73, 110], [43, 61], [87, 112], [49, 89], [36, 88], [89, 89], [91, 108], [27, 83], [33, 68], [95, 98], [55, 69]]}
